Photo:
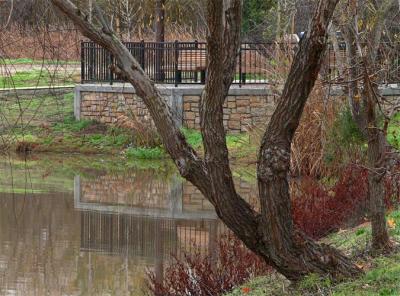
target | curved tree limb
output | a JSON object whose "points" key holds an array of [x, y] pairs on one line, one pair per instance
{"points": [[271, 234]]}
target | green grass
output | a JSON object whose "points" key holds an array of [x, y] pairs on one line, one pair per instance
{"points": [[37, 110], [233, 141], [35, 78], [381, 278], [29, 61], [49, 122], [393, 133], [145, 153], [193, 137], [70, 124]]}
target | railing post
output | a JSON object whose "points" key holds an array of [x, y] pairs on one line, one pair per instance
{"points": [[333, 70], [196, 48], [91, 60], [110, 63], [82, 61], [176, 47], [240, 65]]}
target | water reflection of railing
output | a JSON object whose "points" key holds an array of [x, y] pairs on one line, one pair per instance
{"points": [[147, 238], [148, 218], [147, 231]]}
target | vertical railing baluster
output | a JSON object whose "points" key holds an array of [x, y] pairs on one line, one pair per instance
{"points": [[142, 54], [240, 65], [109, 67], [82, 62]]}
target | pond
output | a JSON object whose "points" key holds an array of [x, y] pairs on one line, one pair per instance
{"points": [[79, 225]]}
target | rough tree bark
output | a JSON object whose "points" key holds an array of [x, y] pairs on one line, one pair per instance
{"points": [[271, 233], [377, 162], [160, 20], [363, 102], [160, 36]]}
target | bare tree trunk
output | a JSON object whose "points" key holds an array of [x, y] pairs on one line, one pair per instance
{"points": [[291, 249], [160, 37], [363, 106], [271, 233], [90, 4], [160, 20], [376, 161]]}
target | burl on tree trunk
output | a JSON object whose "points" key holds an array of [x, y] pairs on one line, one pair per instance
{"points": [[271, 233]]}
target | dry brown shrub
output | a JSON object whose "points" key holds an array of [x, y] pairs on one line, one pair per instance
{"points": [[309, 143], [144, 133], [312, 136], [40, 43], [63, 44]]}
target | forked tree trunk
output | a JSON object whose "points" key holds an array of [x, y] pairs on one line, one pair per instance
{"points": [[271, 233], [292, 250]]}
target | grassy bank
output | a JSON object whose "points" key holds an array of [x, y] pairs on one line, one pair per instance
{"points": [[381, 276], [47, 124], [34, 78], [29, 61]]}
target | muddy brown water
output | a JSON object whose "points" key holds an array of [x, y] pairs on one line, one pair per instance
{"points": [[74, 225]]}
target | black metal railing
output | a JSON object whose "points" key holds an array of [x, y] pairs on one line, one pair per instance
{"points": [[177, 62], [186, 62]]}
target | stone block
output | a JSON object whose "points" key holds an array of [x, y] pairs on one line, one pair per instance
{"points": [[242, 103], [232, 104], [191, 99], [190, 124], [226, 111], [235, 117], [234, 124], [243, 110], [190, 115]]}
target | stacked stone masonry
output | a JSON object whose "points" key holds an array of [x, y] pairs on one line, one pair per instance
{"points": [[241, 112], [109, 107]]}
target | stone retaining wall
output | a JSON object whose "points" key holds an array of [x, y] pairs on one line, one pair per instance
{"points": [[245, 107], [240, 112], [108, 107]]}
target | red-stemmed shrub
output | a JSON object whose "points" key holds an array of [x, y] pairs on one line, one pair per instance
{"points": [[198, 275], [317, 209]]}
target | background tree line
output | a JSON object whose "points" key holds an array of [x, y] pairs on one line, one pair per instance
{"points": [[262, 20]]}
